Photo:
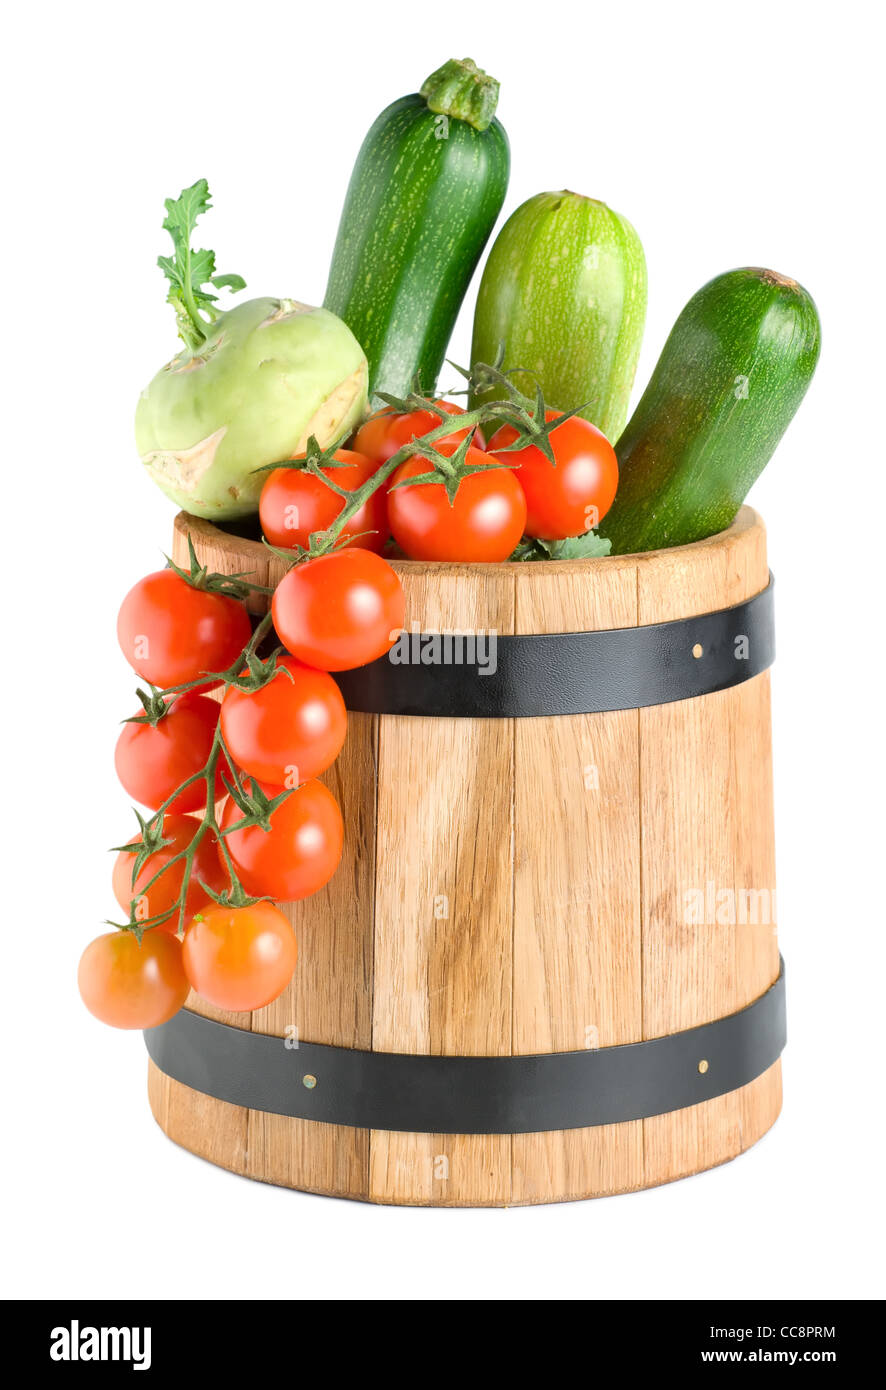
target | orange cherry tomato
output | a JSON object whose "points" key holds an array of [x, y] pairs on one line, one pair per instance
{"points": [[340, 610], [171, 632], [484, 523], [299, 853], [162, 895], [132, 984], [240, 958], [288, 730], [295, 504], [573, 496], [152, 761]]}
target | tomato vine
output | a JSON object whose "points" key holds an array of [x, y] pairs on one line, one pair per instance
{"points": [[248, 672]]}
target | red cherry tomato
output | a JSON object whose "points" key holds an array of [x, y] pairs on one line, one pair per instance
{"points": [[130, 984], [170, 632], [295, 504], [162, 895], [240, 958], [386, 431], [339, 611], [298, 854], [290, 729], [485, 522], [152, 762], [572, 497]]}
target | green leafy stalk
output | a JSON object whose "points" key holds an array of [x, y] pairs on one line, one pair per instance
{"points": [[189, 271]]}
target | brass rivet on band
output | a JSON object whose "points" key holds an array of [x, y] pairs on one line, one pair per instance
{"points": [[703, 1066], [309, 1081], [698, 650]]}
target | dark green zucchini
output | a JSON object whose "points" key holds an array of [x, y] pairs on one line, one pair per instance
{"points": [[427, 187], [727, 385]]}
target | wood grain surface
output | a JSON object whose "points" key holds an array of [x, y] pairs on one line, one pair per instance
{"points": [[526, 885]]}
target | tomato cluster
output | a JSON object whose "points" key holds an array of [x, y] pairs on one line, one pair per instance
{"points": [[502, 493], [239, 817], [228, 749]]}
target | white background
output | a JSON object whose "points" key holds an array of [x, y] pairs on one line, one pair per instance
{"points": [[730, 135]]}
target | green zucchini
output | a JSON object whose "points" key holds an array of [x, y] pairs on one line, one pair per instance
{"points": [[727, 385], [427, 187], [564, 293]]}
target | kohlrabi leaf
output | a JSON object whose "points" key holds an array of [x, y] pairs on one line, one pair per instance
{"points": [[229, 282], [588, 546], [188, 271]]}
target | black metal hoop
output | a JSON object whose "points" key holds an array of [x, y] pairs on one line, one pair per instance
{"points": [[570, 672], [473, 1095]]}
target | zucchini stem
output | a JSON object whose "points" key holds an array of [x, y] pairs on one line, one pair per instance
{"points": [[463, 91]]}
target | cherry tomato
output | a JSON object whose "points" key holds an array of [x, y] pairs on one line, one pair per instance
{"points": [[298, 854], [240, 958], [386, 431], [152, 762], [290, 729], [163, 894], [130, 984], [170, 632], [572, 497], [485, 522], [295, 504], [340, 610]]}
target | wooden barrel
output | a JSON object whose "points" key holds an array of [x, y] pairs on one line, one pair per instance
{"points": [[515, 887]]}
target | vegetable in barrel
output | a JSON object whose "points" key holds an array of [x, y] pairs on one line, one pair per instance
{"points": [[250, 386], [563, 296], [731, 376], [427, 187], [256, 413]]}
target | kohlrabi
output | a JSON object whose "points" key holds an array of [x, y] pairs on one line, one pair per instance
{"points": [[250, 386]]}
